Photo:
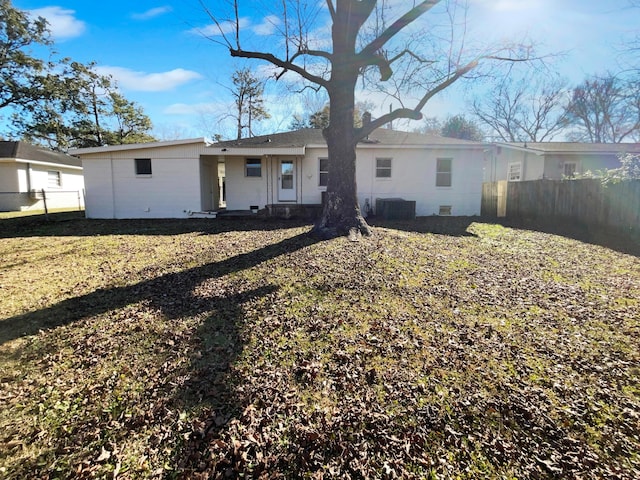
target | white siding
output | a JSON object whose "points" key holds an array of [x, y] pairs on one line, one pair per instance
{"points": [[99, 187], [176, 184], [171, 191], [19, 178], [413, 177], [311, 190], [71, 180], [243, 192], [8, 177]]}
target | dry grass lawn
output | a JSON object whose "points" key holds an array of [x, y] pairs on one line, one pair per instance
{"points": [[200, 349]]}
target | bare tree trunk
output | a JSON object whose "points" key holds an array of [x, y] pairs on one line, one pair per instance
{"points": [[341, 213], [96, 116]]}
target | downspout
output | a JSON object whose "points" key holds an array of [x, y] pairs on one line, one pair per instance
{"points": [[372, 173], [267, 174], [29, 177], [113, 187], [300, 176]]}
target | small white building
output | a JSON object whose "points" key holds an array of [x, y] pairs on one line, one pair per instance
{"points": [[150, 180], [178, 179], [29, 175]]}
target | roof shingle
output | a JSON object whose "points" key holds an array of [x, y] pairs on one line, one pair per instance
{"points": [[313, 136], [26, 151]]}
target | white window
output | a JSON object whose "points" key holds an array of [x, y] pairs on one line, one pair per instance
{"points": [[54, 178], [514, 172], [444, 172], [570, 169], [323, 172], [383, 168], [253, 167], [143, 166]]}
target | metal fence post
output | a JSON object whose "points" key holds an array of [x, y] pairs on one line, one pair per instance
{"points": [[44, 199]]}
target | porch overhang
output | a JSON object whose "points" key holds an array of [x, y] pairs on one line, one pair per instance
{"points": [[257, 152]]}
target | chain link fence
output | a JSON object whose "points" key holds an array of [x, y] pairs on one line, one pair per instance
{"points": [[42, 201]]}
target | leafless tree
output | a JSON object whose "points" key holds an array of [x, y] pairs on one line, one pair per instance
{"points": [[605, 110], [392, 39], [522, 110]]}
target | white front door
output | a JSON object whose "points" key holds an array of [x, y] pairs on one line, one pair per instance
{"points": [[287, 181]]}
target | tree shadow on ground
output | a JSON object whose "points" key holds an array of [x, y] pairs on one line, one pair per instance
{"points": [[627, 242], [74, 224], [451, 226], [171, 293], [207, 355]]}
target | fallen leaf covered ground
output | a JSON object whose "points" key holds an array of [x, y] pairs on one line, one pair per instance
{"points": [[199, 349]]}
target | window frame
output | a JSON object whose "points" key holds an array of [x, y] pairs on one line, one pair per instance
{"points": [[139, 163], [440, 172], [323, 174], [445, 210], [57, 179], [256, 166], [574, 164], [383, 168], [510, 176]]}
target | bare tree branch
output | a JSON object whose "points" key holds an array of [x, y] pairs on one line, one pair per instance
{"points": [[213, 18], [368, 54], [332, 9], [235, 8], [415, 113], [313, 53], [286, 65], [449, 81]]}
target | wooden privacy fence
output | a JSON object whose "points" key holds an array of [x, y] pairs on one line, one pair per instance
{"points": [[587, 201], [494, 199]]}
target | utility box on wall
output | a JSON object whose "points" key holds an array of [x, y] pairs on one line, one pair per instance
{"points": [[395, 208]]}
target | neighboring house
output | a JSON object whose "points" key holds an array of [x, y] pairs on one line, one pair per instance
{"points": [[516, 162], [187, 177], [26, 171]]}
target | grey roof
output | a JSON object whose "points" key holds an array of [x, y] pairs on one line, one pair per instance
{"points": [[26, 151], [313, 136], [576, 148]]}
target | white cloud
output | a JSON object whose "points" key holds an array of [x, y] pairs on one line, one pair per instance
{"points": [[152, 13], [62, 22], [149, 82], [268, 26], [224, 28]]}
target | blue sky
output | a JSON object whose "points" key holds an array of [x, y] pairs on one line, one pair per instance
{"points": [[160, 59]]}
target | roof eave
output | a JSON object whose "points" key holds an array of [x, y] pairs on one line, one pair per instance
{"points": [[135, 146], [42, 163], [258, 150], [539, 151]]}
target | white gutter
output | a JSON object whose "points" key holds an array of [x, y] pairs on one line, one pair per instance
{"points": [[534, 151], [136, 146], [434, 146], [538, 151], [44, 164]]}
